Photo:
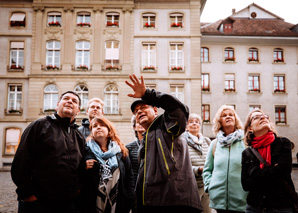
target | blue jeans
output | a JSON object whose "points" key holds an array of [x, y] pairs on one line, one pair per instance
{"points": [[38, 207], [250, 209]]}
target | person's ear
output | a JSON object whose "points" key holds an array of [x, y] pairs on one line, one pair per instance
{"points": [[155, 110]]}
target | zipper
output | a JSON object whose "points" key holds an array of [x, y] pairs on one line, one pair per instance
{"points": [[228, 179], [164, 157]]}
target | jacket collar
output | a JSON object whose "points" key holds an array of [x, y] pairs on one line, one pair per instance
{"points": [[63, 121]]}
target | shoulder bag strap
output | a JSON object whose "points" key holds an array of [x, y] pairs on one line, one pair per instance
{"points": [[257, 154]]}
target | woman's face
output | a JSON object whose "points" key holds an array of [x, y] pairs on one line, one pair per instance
{"points": [[99, 131], [193, 126], [227, 118], [259, 123]]}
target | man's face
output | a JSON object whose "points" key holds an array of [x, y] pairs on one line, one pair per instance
{"points": [[145, 114], [94, 110], [68, 106]]}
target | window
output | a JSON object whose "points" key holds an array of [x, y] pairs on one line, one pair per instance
{"points": [[149, 56], [229, 54], [204, 54], [16, 55], [84, 19], [12, 140], [53, 55], [279, 83], [254, 83], [82, 55], [54, 19], [280, 115], [206, 113], [14, 98], [112, 20], [228, 27], [82, 91], [253, 54], [229, 82], [111, 99], [50, 98], [278, 55], [18, 19], [149, 20], [176, 20], [253, 107], [112, 55], [178, 92], [176, 56], [232, 105], [205, 82], [151, 86]]}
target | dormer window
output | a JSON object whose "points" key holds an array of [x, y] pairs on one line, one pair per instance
{"points": [[228, 28]]}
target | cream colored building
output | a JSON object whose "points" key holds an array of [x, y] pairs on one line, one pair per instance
{"points": [[48, 47], [250, 60]]}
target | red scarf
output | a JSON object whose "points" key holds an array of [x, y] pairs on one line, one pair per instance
{"points": [[262, 144]]}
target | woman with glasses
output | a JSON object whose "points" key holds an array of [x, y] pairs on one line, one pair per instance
{"points": [[266, 170], [222, 170]]}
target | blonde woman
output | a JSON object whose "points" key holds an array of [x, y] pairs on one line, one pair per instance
{"points": [[268, 183], [222, 170], [198, 148]]}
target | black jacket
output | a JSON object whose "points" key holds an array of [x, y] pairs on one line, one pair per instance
{"points": [[84, 129], [265, 186], [47, 160], [133, 148], [90, 185]]}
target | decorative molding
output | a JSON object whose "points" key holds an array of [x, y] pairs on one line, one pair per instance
{"points": [[68, 9], [51, 81], [81, 81], [112, 33], [38, 8], [98, 9]]}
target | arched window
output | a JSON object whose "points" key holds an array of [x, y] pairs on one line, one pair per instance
{"points": [[112, 19], [253, 54], [111, 99], [149, 20], [53, 55], [12, 140], [176, 20], [54, 19], [50, 99], [278, 55], [82, 55], [82, 91], [84, 19], [204, 54]]}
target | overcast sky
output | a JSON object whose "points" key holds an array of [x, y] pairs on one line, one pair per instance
{"points": [[220, 9]]}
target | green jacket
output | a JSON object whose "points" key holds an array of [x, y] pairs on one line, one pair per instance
{"points": [[222, 177]]}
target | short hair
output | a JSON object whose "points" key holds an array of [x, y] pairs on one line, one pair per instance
{"points": [[195, 116], [72, 92], [248, 135], [216, 121], [98, 100]]}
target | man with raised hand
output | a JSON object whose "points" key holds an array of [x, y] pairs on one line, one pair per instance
{"points": [[165, 182]]}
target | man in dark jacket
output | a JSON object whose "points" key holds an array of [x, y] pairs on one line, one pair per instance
{"points": [[165, 182], [46, 165], [94, 109]]}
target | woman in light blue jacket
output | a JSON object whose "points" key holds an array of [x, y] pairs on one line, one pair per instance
{"points": [[222, 170]]}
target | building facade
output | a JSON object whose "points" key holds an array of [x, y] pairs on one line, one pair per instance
{"points": [[250, 60], [91, 47]]}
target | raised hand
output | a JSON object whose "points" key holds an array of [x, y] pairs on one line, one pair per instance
{"points": [[138, 87]]}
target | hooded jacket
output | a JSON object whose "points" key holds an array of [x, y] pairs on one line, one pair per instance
{"points": [[48, 160], [84, 129], [165, 176]]}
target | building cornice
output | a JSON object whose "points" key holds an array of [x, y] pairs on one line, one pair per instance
{"points": [[15, 35]]}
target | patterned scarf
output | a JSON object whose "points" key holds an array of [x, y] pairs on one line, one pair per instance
{"points": [[194, 141], [227, 141], [262, 144]]}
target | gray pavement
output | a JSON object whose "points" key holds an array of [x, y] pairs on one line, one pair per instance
{"points": [[8, 196]]}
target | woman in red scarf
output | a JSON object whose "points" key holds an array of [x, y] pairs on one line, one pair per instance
{"points": [[266, 181]]}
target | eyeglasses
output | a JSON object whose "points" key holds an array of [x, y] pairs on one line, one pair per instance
{"points": [[258, 117]]}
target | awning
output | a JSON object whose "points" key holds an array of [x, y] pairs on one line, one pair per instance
{"points": [[54, 14], [17, 45], [17, 17]]}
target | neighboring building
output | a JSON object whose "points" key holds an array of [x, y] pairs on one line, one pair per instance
{"points": [[250, 60], [51, 46]]}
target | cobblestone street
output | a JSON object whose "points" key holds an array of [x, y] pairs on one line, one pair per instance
{"points": [[8, 202]]}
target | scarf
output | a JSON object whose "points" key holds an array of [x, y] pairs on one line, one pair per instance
{"points": [[195, 141], [262, 144], [108, 158], [227, 141]]}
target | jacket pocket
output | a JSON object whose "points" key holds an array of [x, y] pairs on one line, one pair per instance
{"points": [[164, 157]]}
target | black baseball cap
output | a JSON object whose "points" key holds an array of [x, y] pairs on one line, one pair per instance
{"points": [[135, 103]]}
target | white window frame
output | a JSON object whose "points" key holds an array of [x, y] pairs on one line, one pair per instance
{"points": [[14, 101], [148, 55], [150, 23], [54, 17], [85, 52], [176, 17], [83, 92], [50, 98], [19, 51], [50, 60], [111, 99], [84, 17], [229, 79], [115, 19], [112, 54], [177, 56], [178, 92]]}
